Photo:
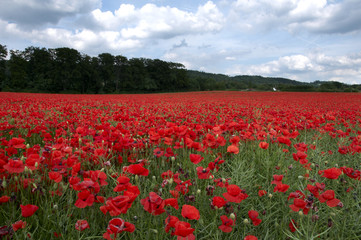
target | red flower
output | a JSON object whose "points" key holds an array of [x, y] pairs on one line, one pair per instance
{"points": [[18, 225], [331, 173], [190, 212], [262, 193], [173, 202], [234, 194], [118, 225], [170, 222], [299, 204], [277, 179], [195, 158], [253, 215], [218, 202], [328, 196], [250, 237], [263, 145], [85, 198], [17, 143], [281, 187], [183, 229], [4, 199], [233, 149], [153, 204], [293, 225], [56, 176], [226, 224], [28, 210], [81, 225], [138, 169], [203, 173], [14, 166]]}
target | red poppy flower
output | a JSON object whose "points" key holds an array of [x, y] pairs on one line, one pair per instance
{"points": [[234, 194], [4, 199], [195, 158], [218, 202], [153, 204], [250, 237], [170, 222], [138, 169], [293, 225], [227, 224], [18, 225], [203, 173], [328, 196], [262, 193], [233, 149], [277, 179], [81, 225], [118, 225], [173, 202], [331, 173], [183, 229], [253, 215], [56, 176], [28, 210], [281, 187], [299, 204], [263, 145], [14, 166], [85, 198], [17, 143], [190, 212]]}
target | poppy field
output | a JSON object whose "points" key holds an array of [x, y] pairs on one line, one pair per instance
{"points": [[201, 165]]}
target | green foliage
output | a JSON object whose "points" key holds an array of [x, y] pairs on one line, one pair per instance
{"points": [[65, 70]]}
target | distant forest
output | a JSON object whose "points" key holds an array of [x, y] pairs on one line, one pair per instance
{"points": [[66, 70]]}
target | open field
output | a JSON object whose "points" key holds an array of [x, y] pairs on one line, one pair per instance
{"points": [[202, 165]]}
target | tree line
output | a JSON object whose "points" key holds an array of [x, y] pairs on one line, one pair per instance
{"points": [[65, 70]]}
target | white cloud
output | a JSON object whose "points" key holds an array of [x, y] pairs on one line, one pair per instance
{"points": [[310, 67], [319, 16], [41, 12], [168, 22]]}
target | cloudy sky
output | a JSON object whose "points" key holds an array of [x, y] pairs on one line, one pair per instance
{"points": [[305, 40]]}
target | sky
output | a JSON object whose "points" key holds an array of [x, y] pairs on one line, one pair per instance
{"points": [[304, 40]]}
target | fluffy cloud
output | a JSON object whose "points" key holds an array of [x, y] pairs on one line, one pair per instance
{"points": [[168, 22], [319, 16], [310, 67], [41, 12]]}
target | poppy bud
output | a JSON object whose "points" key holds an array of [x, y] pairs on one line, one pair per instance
{"points": [[300, 213], [154, 231], [154, 178], [172, 158], [270, 195], [198, 191], [232, 216], [300, 177], [16, 178], [4, 183], [245, 221], [170, 181], [28, 145], [55, 207], [136, 178], [36, 164]]}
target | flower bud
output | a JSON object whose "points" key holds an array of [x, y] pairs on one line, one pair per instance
{"points": [[198, 191], [245, 221], [232, 216]]}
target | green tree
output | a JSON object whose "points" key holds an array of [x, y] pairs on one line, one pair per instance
{"points": [[40, 67], [17, 67], [106, 71], [3, 55]]}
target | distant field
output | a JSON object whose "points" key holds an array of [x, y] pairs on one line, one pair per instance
{"points": [[200, 165]]}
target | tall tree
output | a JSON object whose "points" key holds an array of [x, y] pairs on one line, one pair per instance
{"points": [[106, 67], [40, 67], [3, 55], [17, 67]]}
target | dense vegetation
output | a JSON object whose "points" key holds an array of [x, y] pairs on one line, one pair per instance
{"points": [[66, 70]]}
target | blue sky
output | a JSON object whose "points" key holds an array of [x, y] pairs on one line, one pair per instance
{"points": [[305, 40]]}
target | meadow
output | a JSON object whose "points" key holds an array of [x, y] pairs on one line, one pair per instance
{"points": [[200, 165]]}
